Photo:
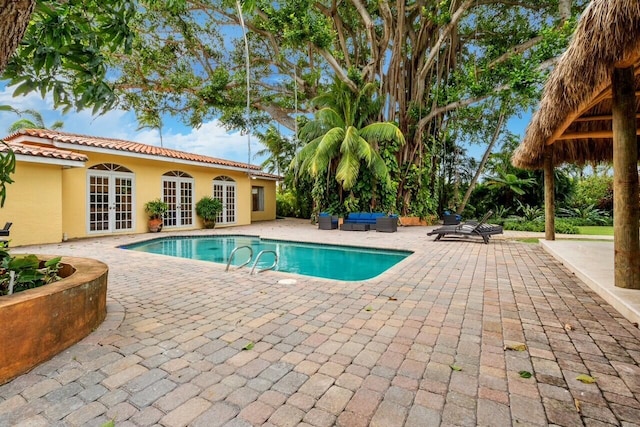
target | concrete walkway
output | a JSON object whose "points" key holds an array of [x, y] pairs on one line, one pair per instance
{"points": [[424, 344]]}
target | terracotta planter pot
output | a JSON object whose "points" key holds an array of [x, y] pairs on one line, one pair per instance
{"points": [[155, 225], [412, 220]]}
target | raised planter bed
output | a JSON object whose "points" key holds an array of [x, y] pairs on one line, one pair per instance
{"points": [[39, 323]]}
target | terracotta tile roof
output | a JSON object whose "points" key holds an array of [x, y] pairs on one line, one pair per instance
{"points": [[128, 146], [43, 151]]}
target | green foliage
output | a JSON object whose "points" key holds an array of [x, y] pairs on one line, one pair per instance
{"points": [[66, 51], [156, 208], [595, 191], [36, 123], [28, 271], [7, 168], [342, 146], [585, 215], [208, 208], [298, 23], [288, 205], [562, 226], [530, 213]]}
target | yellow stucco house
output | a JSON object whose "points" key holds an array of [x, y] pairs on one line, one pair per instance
{"points": [[70, 186]]}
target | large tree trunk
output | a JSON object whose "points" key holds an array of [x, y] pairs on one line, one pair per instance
{"points": [[14, 18], [625, 180], [483, 162]]}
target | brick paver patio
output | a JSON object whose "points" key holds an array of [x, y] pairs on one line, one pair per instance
{"points": [[421, 345]]}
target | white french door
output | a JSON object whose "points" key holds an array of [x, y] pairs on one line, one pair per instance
{"points": [[177, 192], [224, 189], [110, 201]]}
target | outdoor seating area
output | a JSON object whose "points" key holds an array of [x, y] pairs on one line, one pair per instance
{"points": [[365, 221]]}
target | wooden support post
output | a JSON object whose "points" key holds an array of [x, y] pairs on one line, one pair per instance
{"points": [[549, 195], [625, 180]]}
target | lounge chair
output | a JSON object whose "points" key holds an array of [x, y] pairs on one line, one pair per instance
{"points": [[5, 232], [469, 228]]}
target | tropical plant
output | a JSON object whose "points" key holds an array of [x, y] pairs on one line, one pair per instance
{"points": [[589, 215], [24, 272], [344, 137], [156, 209], [7, 168], [510, 183], [530, 213], [208, 209], [280, 150], [36, 123], [594, 190]]}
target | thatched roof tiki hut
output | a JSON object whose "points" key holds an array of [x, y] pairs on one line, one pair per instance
{"points": [[589, 112]]}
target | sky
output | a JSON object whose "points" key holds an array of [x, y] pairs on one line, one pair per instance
{"points": [[210, 139]]}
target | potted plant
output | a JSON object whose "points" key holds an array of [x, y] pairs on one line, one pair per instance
{"points": [[156, 210], [208, 209]]}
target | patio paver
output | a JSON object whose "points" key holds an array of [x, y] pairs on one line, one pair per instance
{"points": [[423, 344]]}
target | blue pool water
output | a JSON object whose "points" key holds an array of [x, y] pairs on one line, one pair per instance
{"points": [[330, 262]]}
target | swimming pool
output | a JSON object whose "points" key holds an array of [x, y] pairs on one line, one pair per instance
{"points": [[327, 261]]}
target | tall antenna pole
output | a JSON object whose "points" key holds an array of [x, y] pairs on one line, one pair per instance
{"points": [[246, 54]]}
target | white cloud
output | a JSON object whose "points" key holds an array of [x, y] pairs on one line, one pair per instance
{"points": [[211, 139]]}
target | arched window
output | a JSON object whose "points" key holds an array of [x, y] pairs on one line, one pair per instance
{"points": [[178, 174], [112, 167]]}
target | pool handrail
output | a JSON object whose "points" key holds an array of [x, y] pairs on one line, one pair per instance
{"points": [[233, 252], [275, 261]]}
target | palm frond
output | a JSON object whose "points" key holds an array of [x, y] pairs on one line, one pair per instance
{"points": [[302, 160], [327, 149], [382, 131], [311, 130], [348, 170], [22, 124], [379, 168], [351, 141], [329, 117]]}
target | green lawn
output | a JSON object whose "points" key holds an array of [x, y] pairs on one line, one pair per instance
{"points": [[597, 230]]}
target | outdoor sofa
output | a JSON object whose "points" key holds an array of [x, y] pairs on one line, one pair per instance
{"points": [[365, 221], [327, 221]]}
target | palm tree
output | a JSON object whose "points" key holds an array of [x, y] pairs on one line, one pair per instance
{"points": [[510, 183], [344, 136], [36, 123], [280, 150]]}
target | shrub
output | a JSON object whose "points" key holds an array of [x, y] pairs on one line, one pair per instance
{"points": [[562, 226], [594, 190], [585, 215], [286, 204]]}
